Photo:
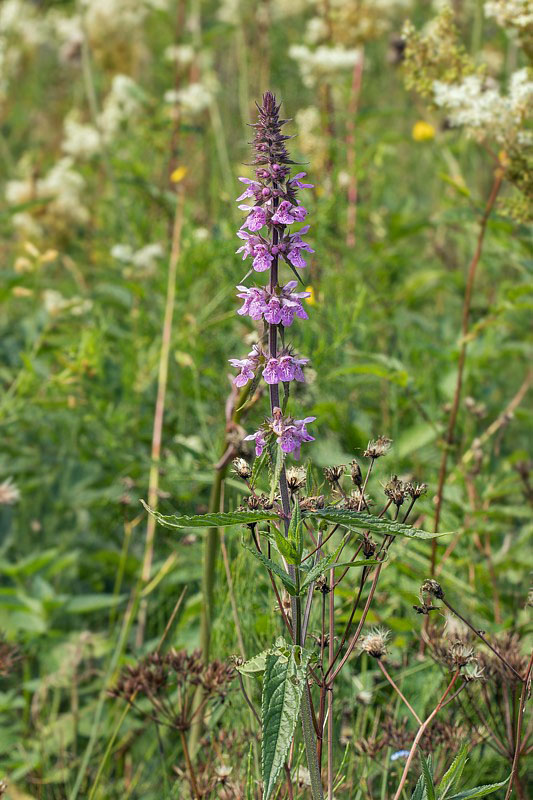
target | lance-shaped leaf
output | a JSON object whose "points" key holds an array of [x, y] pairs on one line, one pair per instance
{"points": [[452, 777], [256, 665], [278, 461], [361, 521], [479, 791], [216, 520], [286, 579], [427, 772], [283, 686]]}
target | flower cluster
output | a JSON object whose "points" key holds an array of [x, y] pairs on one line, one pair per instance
{"points": [[282, 369], [275, 208], [290, 433], [275, 308]]}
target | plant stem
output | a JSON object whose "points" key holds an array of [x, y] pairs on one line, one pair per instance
{"points": [[397, 690], [153, 481], [513, 779], [421, 732], [450, 432], [190, 769], [331, 655], [483, 639]]}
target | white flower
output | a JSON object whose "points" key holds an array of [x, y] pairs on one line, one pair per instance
{"points": [[478, 105], [323, 62], [121, 104], [54, 303], [194, 98], [9, 493], [147, 257], [122, 252], [80, 140], [182, 54], [510, 13]]}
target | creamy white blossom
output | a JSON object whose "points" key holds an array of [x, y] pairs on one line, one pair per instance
{"points": [[510, 13], [55, 303], [182, 54], [194, 98], [9, 492], [323, 61], [80, 140], [477, 104], [145, 260]]}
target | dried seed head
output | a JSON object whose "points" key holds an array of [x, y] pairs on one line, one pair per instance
{"points": [[375, 642], [461, 654], [356, 474], [296, 477], [321, 584], [472, 671], [242, 468], [334, 474], [395, 490], [313, 503], [434, 588], [378, 447], [415, 490], [369, 547], [253, 502]]}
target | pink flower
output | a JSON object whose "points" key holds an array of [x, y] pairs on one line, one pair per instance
{"points": [[255, 219], [286, 214], [295, 181], [262, 258], [253, 187]]}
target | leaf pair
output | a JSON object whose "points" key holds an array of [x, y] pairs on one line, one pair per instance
{"points": [[426, 790], [284, 669]]}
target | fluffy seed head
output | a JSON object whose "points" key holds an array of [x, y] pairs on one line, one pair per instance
{"points": [[378, 447], [375, 642]]}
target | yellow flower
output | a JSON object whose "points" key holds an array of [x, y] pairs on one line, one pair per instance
{"points": [[312, 297], [178, 174], [423, 131]]}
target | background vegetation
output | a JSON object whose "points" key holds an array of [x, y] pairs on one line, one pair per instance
{"points": [[80, 343]]}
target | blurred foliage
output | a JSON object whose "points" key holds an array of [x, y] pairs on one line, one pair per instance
{"points": [[80, 335]]}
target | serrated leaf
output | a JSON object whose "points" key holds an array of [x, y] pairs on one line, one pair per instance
{"points": [[278, 466], [428, 778], [294, 533], [286, 579], [453, 775], [217, 520], [479, 791], [286, 548], [361, 521], [420, 790], [283, 686], [256, 664], [258, 466]]}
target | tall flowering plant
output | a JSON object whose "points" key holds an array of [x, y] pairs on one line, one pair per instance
{"points": [[290, 530]]}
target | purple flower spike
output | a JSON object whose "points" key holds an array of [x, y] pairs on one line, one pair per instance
{"points": [[253, 187], [286, 214], [255, 219], [262, 258], [260, 442], [295, 181]]}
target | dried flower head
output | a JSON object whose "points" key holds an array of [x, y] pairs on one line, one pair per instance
{"points": [[9, 493], [296, 478], [378, 447], [242, 468], [355, 473], [433, 588], [415, 490], [313, 503], [395, 490], [334, 474], [375, 642], [461, 654]]}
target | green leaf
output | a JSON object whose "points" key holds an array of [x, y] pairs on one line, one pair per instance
{"points": [[256, 664], [283, 686], [286, 579], [479, 791], [453, 775], [85, 603], [217, 520], [257, 467], [286, 548], [278, 466], [295, 531], [361, 521], [428, 778], [420, 790]]}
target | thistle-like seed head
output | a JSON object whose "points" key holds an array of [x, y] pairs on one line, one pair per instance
{"points": [[378, 447], [434, 588], [355, 474], [296, 477], [334, 474], [461, 654], [242, 468], [416, 490], [395, 490], [375, 642]]}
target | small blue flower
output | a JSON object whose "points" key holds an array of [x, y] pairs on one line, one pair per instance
{"points": [[399, 754]]}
